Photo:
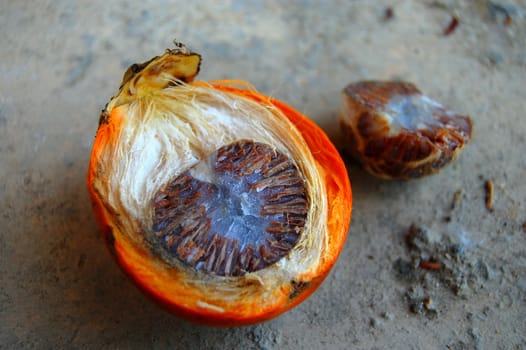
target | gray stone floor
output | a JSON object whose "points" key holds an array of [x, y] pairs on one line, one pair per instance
{"points": [[62, 60]]}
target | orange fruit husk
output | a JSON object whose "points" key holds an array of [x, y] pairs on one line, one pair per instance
{"points": [[221, 301]]}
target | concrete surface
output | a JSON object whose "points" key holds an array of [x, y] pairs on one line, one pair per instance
{"points": [[62, 60]]}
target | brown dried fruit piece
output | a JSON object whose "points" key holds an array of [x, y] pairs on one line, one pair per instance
{"points": [[396, 132]]}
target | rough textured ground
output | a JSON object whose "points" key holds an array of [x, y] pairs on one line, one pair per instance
{"points": [[62, 60]]}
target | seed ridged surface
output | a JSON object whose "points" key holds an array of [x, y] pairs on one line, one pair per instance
{"points": [[239, 211]]}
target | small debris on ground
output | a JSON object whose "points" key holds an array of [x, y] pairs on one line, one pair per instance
{"points": [[388, 14], [420, 302], [453, 24], [438, 263], [456, 199], [489, 194]]}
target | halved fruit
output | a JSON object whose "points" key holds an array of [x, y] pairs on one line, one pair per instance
{"points": [[226, 206]]}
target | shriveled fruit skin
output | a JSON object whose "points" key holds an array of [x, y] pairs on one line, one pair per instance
{"points": [[202, 296], [396, 132]]}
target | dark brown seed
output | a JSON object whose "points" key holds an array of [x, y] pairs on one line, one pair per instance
{"points": [[296, 206], [170, 240], [244, 259], [212, 252], [278, 227], [266, 255], [275, 166], [221, 261], [288, 192], [255, 263], [211, 245], [231, 261], [185, 249], [251, 184], [279, 245]]}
